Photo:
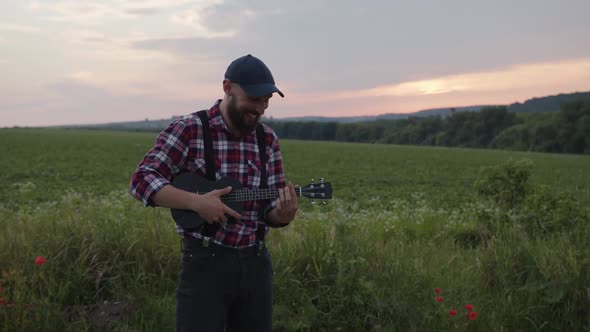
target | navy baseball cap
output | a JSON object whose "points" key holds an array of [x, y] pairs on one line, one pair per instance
{"points": [[253, 76]]}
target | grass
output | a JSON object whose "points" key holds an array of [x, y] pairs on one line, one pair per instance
{"points": [[368, 261], [54, 161]]}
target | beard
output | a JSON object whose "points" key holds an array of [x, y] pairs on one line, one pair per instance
{"points": [[242, 119]]}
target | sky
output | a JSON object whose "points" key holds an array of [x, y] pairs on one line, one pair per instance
{"points": [[88, 61]]}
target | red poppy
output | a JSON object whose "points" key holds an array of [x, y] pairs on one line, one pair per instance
{"points": [[2, 301], [437, 290], [40, 260], [472, 315], [453, 312], [469, 307], [438, 299]]}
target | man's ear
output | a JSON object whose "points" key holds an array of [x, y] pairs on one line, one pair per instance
{"points": [[227, 85]]}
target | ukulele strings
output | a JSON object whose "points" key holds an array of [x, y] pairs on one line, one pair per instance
{"points": [[241, 195], [251, 195], [245, 195]]}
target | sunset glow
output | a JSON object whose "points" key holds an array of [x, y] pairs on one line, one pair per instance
{"points": [[90, 61]]}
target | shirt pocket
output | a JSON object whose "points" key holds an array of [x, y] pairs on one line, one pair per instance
{"points": [[254, 174], [200, 167]]}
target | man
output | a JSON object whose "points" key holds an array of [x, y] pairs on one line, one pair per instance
{"points": [[226, 278]]}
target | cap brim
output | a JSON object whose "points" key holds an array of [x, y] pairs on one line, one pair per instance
{"points": [[261, 90]]}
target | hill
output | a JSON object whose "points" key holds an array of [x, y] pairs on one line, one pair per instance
{"points": [[538, 104], [546, 104]]}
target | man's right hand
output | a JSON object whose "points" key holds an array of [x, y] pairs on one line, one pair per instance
{"points": [[210, 207]]}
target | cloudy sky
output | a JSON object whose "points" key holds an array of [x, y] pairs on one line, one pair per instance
{"points": [[90, 61]]}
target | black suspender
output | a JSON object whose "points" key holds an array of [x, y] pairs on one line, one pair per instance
{"points": [[209, 158], [208, 229], [261, 139]]}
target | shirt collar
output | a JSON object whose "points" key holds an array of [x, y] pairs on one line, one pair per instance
{"points": [[215, 118]]}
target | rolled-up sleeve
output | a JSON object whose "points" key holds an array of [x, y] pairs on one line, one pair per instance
{"points": [[162, 162]]}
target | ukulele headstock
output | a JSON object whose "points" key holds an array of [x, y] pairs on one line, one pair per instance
{"points": [[321, 190]]}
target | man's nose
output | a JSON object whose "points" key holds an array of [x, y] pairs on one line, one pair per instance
{"points": [[261, 107]]}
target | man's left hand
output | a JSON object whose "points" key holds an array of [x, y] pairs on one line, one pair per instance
{"points": [[287, 206]]}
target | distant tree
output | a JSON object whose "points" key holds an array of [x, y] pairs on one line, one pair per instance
{"points": [[492, 121], [583, 132], [544, 137], [573, 134], [512, 138], [565, 131]]}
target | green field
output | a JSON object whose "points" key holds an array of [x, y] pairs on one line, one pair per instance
{"points": [[55, 161], [404, 220]]}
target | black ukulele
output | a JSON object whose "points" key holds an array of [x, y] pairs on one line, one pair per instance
{"points": [[197, 184]]}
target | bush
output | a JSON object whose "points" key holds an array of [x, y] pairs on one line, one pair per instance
{"points": [[539, 210], [546, 211], [506, 184]]}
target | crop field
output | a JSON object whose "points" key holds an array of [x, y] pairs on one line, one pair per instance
{"points": [[412, 235]]}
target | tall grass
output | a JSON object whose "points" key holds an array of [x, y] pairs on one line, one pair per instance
{"points": [[339, 268]]}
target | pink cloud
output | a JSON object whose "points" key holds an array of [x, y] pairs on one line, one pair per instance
{"points": [[495, 87]]}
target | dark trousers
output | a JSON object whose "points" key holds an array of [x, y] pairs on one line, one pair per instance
{"points": [[224, 289]]}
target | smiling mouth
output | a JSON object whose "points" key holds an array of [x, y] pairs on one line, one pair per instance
{"points": [[253, 116]]}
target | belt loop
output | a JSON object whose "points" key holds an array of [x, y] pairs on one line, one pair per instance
{"points": [[205, 244]]}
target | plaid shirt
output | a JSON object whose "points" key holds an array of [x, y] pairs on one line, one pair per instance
{"points": [[180, 148]]}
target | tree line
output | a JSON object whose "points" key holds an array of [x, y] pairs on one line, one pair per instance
{"points": [[565, 131]]}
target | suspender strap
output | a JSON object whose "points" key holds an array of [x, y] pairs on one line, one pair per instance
{"points": [[209, 230], [261, 139], [209, 158]]}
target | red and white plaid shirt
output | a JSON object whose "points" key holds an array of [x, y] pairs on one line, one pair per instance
{"points": [[180, 148]]}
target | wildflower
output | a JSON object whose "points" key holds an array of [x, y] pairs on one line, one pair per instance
{"points": [[472, 315], [453, 312], [438, 299], [2, 301], [40, 260], [437, 290], [469, 307]]}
